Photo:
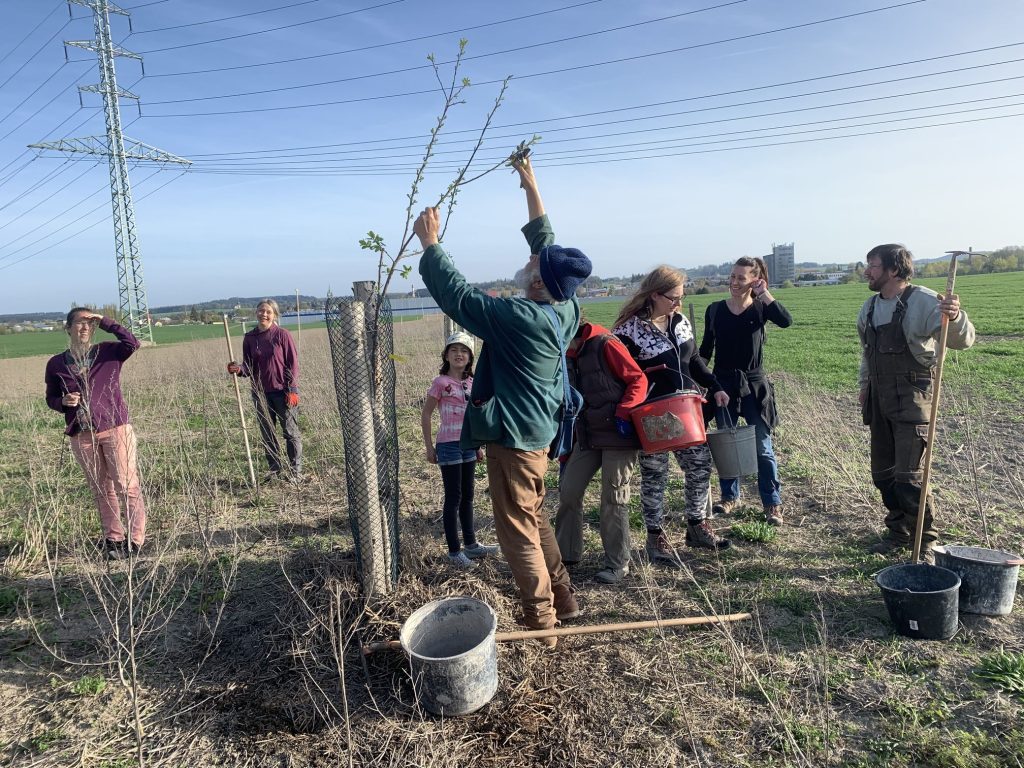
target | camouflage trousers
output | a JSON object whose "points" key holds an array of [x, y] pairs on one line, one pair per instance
{"points": [[654, 467]]}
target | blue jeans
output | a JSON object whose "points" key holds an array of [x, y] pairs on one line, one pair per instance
{"points": [[768, 484]]}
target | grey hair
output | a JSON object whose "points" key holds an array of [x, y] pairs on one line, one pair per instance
{"points": [[526, 277]]}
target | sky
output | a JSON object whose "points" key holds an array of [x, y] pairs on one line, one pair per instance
{"points": [[672, 131]]}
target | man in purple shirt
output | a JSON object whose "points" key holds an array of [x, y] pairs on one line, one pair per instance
{"points": [[84, 383], [269, 357]]}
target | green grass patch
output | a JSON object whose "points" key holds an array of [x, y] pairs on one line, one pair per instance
{"points": [[756, 531], [1004, 670], [89, 685]]}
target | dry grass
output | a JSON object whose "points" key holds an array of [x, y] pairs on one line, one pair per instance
{"points": [[253, 659]]}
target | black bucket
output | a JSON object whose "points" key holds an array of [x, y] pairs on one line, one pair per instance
{"points": [[922, 600], [989, 577]]}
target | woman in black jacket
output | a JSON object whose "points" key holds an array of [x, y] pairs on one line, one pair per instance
{"points": [[659, 336], [734, 332]]}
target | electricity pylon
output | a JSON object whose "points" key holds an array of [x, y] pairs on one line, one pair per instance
{"points": [[118, 149]]}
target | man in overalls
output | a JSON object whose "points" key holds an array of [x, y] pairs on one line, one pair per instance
{"points": [[898, 330]]}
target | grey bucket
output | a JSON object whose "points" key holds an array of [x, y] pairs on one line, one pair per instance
{"points": [[988, 577], [734, 450], [452, 655], [922, 600]]}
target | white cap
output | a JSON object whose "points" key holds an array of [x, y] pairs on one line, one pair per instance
{"points": [[460, 337]]}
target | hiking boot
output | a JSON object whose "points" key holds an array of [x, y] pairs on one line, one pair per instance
{"points": [[114, 550], [460, 561], [612, 575], [888, 545], [773, 514], [478, 550], [272, 476], [699, 533], [927, 555], [659, 550], [566, 606], [724, 507]]}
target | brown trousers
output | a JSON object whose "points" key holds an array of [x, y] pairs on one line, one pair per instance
{"points": [[516, 481]]}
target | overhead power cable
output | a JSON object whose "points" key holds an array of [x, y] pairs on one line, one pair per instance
{"points": [[461, 30], [545, 44], [273, 29], [95, 223], [725, 137], [51, 174], [38, 51], [371, 173], [797, 141], [227, 18], [536, 124], [46, 18], [65, 226], [488, 82], [57, 216], [330, 156]]}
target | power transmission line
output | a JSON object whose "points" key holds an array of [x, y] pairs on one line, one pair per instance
{"points": [[548, 43], [36, 27], [227, 18], [518, 77], [55, 217], [434, 169], [375, 46], [38, 51], [277, 29], [263, 162], [94, 224]]}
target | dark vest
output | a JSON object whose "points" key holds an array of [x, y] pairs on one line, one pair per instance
{"points": [[901, 385], [602, 393]]}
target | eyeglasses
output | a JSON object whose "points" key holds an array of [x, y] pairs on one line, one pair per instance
{"points": [[673, 299]]}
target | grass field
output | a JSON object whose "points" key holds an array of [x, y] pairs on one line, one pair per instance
{"points": [[822, 346], [236, 640]]}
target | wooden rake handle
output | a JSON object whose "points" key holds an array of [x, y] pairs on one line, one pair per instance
{"points": [[590, 629]]}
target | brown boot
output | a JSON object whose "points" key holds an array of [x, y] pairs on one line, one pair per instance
{"points": [[659, 550], [566, 606], [773, 514], [699, 533], [724, 507]]}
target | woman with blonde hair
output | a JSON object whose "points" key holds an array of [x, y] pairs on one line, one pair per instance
{"points": [[270, 359], [734, 332], [660, 338]]}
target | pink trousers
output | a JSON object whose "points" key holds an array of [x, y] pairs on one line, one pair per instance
{"points": [[108, 460]]}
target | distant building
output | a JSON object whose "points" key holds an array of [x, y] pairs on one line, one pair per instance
{"points": [[781, 264]]}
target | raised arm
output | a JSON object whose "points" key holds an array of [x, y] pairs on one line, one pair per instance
{"points": [[528, 181]]}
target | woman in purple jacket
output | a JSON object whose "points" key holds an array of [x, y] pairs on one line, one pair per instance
{"points": [[270, 359], [84, 383]]}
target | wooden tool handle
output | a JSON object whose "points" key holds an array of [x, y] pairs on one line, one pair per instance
{"points": [[590, 629]]}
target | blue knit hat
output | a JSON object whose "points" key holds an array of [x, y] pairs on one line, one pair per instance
{"points": [[562, 270]]}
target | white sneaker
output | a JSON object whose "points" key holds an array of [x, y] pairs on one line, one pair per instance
{"points": [[479, 550], [459, 560]]}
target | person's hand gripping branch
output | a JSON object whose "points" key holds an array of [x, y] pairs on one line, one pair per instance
{"points": [[427, 226], [528, 181]]}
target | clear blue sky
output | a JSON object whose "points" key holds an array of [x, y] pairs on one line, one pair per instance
{"points": [[630, 183]]}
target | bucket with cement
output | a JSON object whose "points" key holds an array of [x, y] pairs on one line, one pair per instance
{"points": [[988, 577], [452, 655], [921, 599]]}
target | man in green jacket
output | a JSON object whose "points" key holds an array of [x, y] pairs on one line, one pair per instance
{"points": [[517, 393]]}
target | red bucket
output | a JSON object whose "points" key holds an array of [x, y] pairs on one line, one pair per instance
{"points": [[670, 422]]}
